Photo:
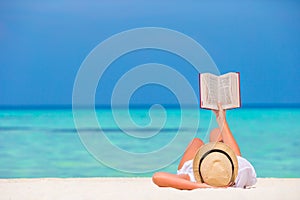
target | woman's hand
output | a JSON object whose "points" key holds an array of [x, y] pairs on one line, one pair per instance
{"points": [[220, 115], [203, 185]]}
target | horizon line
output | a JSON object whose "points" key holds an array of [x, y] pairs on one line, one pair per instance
{"points": [[141, 106]]}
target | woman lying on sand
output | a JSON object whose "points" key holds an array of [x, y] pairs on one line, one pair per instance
{"points": [[217, 164]]}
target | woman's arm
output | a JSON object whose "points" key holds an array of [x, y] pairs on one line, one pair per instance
{"points": [[225, 130], [182, 182]]}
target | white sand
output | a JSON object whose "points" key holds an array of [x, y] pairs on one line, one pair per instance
{"points": [[138, 188]]}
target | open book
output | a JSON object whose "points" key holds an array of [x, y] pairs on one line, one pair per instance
{"points": [[224, 89]]}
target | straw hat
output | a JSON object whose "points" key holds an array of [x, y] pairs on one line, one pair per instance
{"points": [[215, 164]]}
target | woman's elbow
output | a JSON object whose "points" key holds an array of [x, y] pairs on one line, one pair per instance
{"points": [[156, 178]]}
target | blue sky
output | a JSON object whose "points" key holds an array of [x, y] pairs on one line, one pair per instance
{"points": [[43, 44]]}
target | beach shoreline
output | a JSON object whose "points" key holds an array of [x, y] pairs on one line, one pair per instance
{"points": [[138, 188]]}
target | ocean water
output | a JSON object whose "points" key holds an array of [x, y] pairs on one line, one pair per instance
{"points": [[45, 142]]}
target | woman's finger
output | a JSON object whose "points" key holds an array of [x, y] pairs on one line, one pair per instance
{"points": [[220, 106]]}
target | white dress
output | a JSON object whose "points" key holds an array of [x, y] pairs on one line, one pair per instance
{"points": [[246, 172]]}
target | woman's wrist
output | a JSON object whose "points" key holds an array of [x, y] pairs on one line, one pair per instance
{"points": [[222, 122]]}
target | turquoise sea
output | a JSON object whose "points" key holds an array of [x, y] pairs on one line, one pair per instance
{"points": [[45, 143]]}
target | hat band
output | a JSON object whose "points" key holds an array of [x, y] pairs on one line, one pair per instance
{"points": [[212, 151]]}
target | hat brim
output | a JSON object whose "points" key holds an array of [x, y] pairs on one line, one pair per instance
{"points": [[206, 149]]}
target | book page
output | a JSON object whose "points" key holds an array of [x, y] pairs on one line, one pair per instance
{"points": [[225, 92], [210, 91], [235, 90], [229, 94]]}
